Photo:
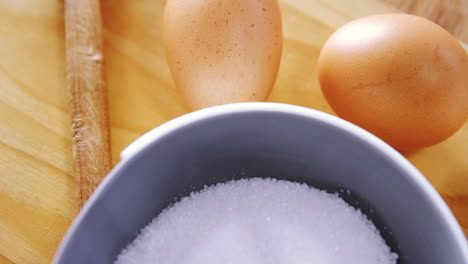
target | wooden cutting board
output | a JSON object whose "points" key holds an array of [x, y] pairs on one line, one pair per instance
{"points": [[36, 184]]}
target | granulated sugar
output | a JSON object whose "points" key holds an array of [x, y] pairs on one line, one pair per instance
{"points": [[259, 221]]}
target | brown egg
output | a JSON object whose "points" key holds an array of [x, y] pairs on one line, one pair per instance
{"points": [[399, 76], [223, 51]]}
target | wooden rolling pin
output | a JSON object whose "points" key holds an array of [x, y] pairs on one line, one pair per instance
{"points": [[87, 84]]}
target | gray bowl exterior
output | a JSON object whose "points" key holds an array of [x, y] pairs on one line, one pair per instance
{"points": [[266, 140]]}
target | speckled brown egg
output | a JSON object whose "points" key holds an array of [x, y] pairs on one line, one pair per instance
{"points": [[401, 77], [223, 51]]}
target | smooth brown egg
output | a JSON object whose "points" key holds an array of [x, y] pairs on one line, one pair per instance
{"points": [[223, 51], [399, 76]]}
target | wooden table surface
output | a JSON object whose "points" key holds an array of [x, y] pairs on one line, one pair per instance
{"points": [[36, 183]]}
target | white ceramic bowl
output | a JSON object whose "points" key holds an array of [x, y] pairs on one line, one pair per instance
{"points": [[265, 140]]}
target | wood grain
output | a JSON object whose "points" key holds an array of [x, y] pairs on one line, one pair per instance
{"points": [[451, 15], [36, 165], [87, 85], [37, 186], [4, 260]]}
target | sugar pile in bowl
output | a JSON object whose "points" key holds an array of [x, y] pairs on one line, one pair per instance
{"points": [[259, 221]]}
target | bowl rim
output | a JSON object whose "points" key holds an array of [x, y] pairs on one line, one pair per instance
{"points": [[135, 149]]}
